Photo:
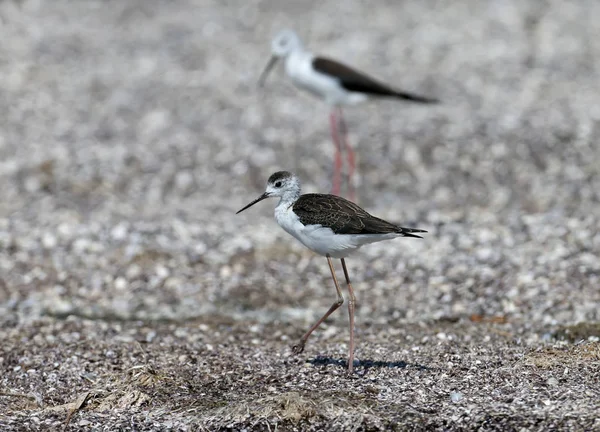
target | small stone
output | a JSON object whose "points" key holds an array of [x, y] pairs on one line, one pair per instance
{"points": [[456, 396], [200, 248], [119, 232], [184, 180], [81, 245], [120, 283], [162, 272], [225, 272], [32, 184], [49, 241], [484, 254], [552, 381], [133, 272], [150, 336], [153, 123]]}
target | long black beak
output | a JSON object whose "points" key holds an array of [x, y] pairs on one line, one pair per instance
{"points": [[260, 198], [265, 72]]}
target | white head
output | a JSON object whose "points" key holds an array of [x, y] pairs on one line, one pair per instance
{"points": [[282, 184], [283, 44]]}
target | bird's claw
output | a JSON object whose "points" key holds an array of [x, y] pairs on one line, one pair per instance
{"points": [[297, 349]]}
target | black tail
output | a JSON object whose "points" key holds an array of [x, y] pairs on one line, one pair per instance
{"points": [[414, 98], [408, 232]]}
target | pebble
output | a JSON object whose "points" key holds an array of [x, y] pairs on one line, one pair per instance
{"points": [[49, 241], [120, 283], [456, 396]]}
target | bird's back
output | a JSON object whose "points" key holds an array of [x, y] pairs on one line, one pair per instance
{"points": [[299, 67], [340, 215], [357, 82]]}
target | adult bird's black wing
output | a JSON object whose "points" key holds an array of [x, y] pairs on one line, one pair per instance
{"points": [[355, 81], [344, 217]]}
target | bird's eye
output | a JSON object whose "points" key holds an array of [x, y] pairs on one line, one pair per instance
{"points": [[278, 184]]}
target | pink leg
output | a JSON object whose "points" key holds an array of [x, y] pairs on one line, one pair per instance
{"points": [[337, 164], [351, 304], [298, 348], [343, 130]]}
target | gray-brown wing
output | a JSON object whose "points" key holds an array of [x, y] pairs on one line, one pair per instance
{"points": [[355, 81], [341, 215]]}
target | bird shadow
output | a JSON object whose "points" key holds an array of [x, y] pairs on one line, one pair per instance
{"points": [[366, 364]]}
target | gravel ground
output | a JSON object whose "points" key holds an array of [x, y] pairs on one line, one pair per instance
{"points": [[133, 298]]}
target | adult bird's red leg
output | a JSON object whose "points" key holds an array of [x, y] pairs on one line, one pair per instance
{"points": [[337, 164], [297, 349], [351, 304], [343, 133]]}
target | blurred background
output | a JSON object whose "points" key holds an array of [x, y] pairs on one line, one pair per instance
{"points": [[131, 132]]}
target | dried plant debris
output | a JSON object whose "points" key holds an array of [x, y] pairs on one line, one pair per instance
{"points": [[133, 298], [586, 356], [579, 332], [219, 376]]}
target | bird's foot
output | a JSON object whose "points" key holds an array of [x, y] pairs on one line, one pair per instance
{"points": [[299, 347]]}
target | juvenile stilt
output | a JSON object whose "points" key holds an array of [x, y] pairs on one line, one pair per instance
{"points": [[332, 227]]}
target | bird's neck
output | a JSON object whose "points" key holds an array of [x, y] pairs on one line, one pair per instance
{"points": [[288, 198], [295, 57]]}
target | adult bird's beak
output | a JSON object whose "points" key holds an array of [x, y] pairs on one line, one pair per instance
{"points": [[260, 198], [265, 72]]}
